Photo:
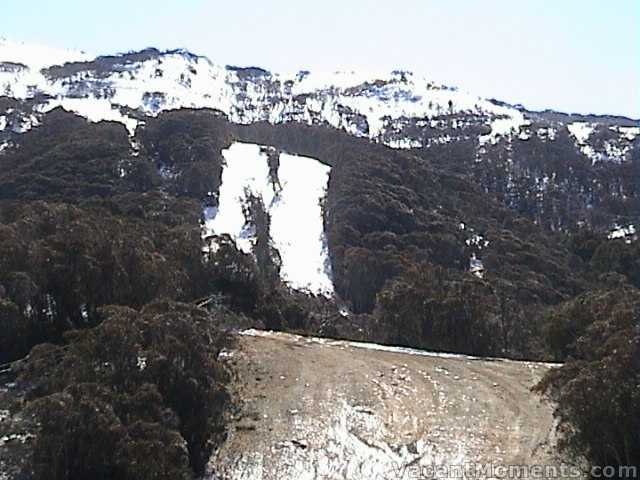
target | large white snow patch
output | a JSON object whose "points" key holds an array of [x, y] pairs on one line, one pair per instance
{"points": [[297, 229], [297, 225]]}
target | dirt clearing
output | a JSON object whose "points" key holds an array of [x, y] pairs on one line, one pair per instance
{"points": [[322, 409]]}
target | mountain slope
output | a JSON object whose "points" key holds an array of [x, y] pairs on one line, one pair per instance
{"points": [[559, 170], [383, 209], [415, 173]]}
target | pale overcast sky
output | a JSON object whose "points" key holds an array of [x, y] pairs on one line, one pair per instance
{"points": [[570, 55]]}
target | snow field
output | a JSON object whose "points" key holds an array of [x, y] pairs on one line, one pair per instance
{"points": [[297, 227]]}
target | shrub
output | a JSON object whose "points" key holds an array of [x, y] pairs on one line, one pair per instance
{"points": [[140, 396]]}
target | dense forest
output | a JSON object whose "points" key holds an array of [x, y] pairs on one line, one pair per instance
{"points": [[113, 315]]}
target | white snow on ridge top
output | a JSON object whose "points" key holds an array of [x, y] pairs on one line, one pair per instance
{"points": [[402, 94], [307, 82], [360, 103], [167, 82], [37, 57], [398, 108], [297, 229]]}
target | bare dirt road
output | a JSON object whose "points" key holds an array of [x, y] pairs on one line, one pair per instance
{"points": [[322, 409]]}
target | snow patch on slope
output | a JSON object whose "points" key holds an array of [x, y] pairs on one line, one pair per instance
{"points": [[170, 81], [630, 133], [627, 232], [96, 110], [506, 123], [611, 148], [297, 223], [297, 229], [581, 131], [246, 170]]}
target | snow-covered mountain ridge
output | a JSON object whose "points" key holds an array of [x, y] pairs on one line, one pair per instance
{"points": [[398, 108]]}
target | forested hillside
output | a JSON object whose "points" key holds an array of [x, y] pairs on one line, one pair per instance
{"points": [[106, 279]]}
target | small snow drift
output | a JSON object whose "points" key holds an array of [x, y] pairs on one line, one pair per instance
{"points": [[628, 233], [294, 205]]}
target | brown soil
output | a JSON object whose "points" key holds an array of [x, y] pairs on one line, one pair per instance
{"points": [[323, 409]]}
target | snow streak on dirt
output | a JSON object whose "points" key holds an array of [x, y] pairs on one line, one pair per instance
{"points": [[325, 409]]}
